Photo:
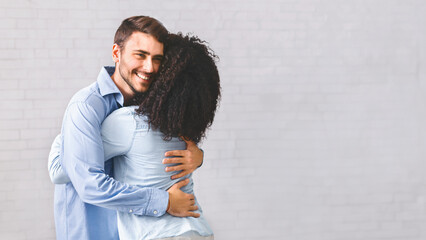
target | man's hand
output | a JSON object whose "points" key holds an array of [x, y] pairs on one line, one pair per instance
{"points": [[181, 204], [189, 160]]}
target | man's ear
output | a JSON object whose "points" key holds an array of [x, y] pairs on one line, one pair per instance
{"points": [[116, 53]]}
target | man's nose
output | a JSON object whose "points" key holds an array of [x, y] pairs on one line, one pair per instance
{"points": [[147, 66]]}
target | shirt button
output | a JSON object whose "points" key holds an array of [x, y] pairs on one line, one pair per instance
{"points": [[130, 211], [155, 212]]}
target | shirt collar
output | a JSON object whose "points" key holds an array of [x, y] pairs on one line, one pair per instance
{"points": [[107, 85]]}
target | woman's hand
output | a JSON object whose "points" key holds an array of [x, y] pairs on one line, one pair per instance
{"points": [[188, 160]]}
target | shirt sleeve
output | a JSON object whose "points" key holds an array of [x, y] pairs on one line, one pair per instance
{"points": [[56, 172], [117, 132], [82, 158], [116, 141]]}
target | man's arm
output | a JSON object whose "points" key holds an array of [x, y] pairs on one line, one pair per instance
{"points": [[189, 160], [82, 158]]}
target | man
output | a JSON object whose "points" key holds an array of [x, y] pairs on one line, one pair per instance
{"points": [[81, 206]]}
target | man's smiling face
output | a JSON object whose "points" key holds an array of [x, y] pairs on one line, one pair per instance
{"points": [[137, 62]]}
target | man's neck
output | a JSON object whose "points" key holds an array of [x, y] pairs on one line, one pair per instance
{"points": [[125, 90]]}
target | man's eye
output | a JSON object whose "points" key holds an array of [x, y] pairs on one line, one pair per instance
{"points": [[142, 55], [157, 60]]}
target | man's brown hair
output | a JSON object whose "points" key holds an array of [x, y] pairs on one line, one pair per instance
{"points": [[143, 24]]}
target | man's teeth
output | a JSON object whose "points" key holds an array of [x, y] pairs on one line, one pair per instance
{"points": [[143, 77]]}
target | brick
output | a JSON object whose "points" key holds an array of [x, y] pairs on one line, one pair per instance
{"points": [[7, 154], [13, 124], [16, 104], [13, 164], [12, 145], [7, 23], [51, 4], [31, 23], [73, 33], [21, 13], [34, 133], [8, 54], [12, 94], [7, 43], [56, 43], [9, 134], [14, 34], [42, 33], [55, 14]]}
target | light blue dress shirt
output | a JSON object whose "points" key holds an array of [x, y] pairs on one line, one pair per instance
{"points": [[138, 151], [86, 207]]}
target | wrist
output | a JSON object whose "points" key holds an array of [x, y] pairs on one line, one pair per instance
{"points": [[168, 204]]}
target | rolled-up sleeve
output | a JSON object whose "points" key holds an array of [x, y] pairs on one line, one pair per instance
{"points": [[82, 158]]}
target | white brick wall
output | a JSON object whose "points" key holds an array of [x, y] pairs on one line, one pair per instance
{"points": [[320, 134]]}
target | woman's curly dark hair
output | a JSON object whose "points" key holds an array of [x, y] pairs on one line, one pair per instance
{"points": [[182, 100]]}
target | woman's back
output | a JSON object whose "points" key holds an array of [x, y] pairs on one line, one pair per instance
{"points": [[140, 163]]}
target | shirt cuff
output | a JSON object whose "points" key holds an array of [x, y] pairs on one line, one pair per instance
{"points": [[158, 203]]}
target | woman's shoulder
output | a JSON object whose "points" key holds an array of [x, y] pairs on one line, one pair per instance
{"points": [[126, 112], [127, 115], [119, 118]]}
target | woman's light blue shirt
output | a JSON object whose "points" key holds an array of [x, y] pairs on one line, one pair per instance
{"points": [[141, 150]]}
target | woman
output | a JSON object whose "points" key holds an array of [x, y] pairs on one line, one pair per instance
{"points": [[181, 103]]}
